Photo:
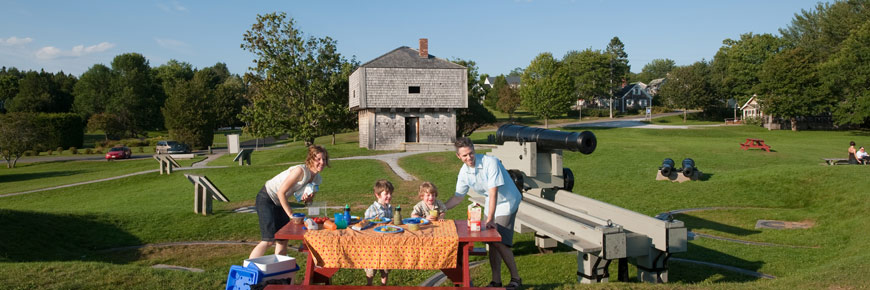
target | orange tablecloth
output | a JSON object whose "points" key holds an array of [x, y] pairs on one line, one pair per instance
{"points": [[434, 246]]}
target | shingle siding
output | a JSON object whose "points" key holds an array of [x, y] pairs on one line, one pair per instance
{"points": [[439, 88]]}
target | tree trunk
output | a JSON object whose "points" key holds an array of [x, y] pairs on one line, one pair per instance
{"points": [[333, 138], [685, 113], [546, 123], [794, 124]]}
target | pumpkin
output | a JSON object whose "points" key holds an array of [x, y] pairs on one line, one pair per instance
{"points": [[329, 225]]}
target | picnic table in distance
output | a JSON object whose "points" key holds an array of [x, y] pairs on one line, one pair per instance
{"points": [[754, 143]]}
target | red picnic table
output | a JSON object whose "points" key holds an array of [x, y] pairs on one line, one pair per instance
{"points": [[754, 143], [459, 275]]}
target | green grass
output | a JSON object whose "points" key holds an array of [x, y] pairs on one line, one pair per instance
{"points": [[55, 239], [691, 119]]}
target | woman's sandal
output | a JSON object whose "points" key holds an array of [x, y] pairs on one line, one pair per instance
{"points": [[515, 283], [493, 284]]}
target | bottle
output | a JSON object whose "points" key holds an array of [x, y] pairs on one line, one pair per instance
{"points": [[347, 213], [397, 216]]}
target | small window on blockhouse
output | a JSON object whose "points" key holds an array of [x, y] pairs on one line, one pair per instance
{"points": [[414, 89]]}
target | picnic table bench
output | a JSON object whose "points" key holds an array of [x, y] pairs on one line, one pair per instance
{"points": [[754, 143]]}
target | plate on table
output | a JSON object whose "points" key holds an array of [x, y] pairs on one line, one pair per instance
{"points": [[421, 221], [382, 220], [389, 229]]}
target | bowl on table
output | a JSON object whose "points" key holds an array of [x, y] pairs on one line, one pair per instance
{"points": [[298, 218]]}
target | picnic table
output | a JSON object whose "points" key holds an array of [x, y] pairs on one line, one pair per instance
{"points": [[325, 255], [754, 143]]}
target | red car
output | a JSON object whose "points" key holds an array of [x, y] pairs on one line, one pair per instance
{"points": [[118, 153]]}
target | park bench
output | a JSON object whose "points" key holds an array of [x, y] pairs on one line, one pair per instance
{"points": [[754, 143], [733, 121]]}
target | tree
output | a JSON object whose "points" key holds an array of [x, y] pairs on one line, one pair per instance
{"points": [[194, 127], [546, 89], [508, 101], [108, 123], [476, 115], [516, 72], [791, 86], [173, 72], [93, 91], [738, 62], [293, 79], [8, 86], [589, 71], [687, 87], [656, 69], [137, 98], [821, 30], [18, 133], [229, 101], [853, 88], [338, 114], [492, 95], [43, 92], [619, 67]]}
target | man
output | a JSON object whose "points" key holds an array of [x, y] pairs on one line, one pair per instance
{"points": [[486, 176]]}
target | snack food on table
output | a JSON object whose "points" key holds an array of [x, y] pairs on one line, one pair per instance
{"points": [[361, 225], [329, 225]]}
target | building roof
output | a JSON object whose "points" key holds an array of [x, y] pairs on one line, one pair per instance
{"points": [[624, 90], [656, 82], [512, 80], [749, 102], [406, 57]]}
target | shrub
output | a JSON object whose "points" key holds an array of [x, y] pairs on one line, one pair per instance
{"points": [[62, 129], [29, 153], [88, 151], [752, 122], [141, 149], [73, 150], [59, 150], [48, 152], [98, 150]]}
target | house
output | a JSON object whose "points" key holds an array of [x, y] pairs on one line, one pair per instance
{"points": [[751, 109], [407, 96], [655, 85], [513, 81], [633, 96]]}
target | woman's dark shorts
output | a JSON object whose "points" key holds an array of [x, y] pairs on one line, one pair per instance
{"points": [[272, 217]]}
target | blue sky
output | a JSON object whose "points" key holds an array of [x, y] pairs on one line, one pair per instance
{"points": [[498, 35]]}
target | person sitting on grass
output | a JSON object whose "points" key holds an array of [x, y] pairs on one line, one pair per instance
{"points": [[429, 206], [862, 156], [852, 158], [382, 208]]}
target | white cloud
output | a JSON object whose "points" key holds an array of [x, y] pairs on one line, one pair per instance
{"points": [[171, 6], [173, 44], [15, 41], [51, 52]]}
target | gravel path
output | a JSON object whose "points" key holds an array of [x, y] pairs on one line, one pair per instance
{"points": [[392, 160]]}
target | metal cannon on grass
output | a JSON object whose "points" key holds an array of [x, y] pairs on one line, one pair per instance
{"points": [[599, 231]]}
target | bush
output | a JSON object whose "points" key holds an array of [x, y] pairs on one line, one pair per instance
{"points": [[59, 150], [753, 122], [48, 152], [88, 151], [98, 150], [73, 150], [61, 129], [595, 112], [141, 149], [29, 153]]}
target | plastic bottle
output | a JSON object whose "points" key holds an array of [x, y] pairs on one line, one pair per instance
{"points": [[397, 216], [347, 213]]}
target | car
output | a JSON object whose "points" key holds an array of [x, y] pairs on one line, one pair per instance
{"points": [[120, 152], [171, 147]]}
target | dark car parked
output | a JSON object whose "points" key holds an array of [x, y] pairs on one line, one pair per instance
{"points": [[171, 147], [121, 152]]}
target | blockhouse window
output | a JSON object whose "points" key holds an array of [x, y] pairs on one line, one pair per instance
{"points": [[414, 89]]}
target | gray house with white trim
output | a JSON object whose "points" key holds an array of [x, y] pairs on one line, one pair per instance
{"points": [[407, 96]]}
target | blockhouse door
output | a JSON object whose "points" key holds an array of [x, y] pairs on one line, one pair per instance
{"points": [[412, 129]]}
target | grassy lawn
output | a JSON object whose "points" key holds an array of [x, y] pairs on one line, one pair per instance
{"points": [[57, 239], [691, 119]]}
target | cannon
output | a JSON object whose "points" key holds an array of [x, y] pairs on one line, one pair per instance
{"points": [[667, 167], [535, 154], [688, 167]]}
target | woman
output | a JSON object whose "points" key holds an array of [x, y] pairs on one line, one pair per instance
{"points": [[852, 158], [488, 177], [273, 209]]}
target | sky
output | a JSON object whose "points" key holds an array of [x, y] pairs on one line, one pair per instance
{"points": [[72, 36]]}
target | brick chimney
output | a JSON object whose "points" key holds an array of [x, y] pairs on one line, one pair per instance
{"points": [[424, 47]]}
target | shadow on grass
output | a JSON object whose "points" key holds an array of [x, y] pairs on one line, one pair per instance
{"points": [[706, 176], [37, 175], [696, 273], [693, 222], [36, 237]]}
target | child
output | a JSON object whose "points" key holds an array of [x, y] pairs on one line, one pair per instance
{"points": [[380, 209], [429, 203]]}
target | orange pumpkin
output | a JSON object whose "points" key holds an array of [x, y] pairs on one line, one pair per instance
{"points": [[329, 225]]}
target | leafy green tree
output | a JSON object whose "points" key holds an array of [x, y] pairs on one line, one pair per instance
{"points": [[493, 94], [853, 107], [656, 69], [791, 86], [194, 127], [8, 86], [18, 133], [821, 30], [735, 67], [173, 72], [93, 91], [109, 124], [516, 72], [476, 115], [229, 101], [547, 89], [339, 117], [137, 98], [43, 92], [589, 71], [687, 88], [619, 67], [292, 78], [509, 101]]}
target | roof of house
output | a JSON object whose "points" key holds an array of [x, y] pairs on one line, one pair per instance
{"points": [[406, 57], [511, 80], [656, 82], [624, 90], [747, 102]]}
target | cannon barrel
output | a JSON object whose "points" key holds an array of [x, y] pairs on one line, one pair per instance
{"points": [[545, 139], [667, 167], [688, 167]]}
